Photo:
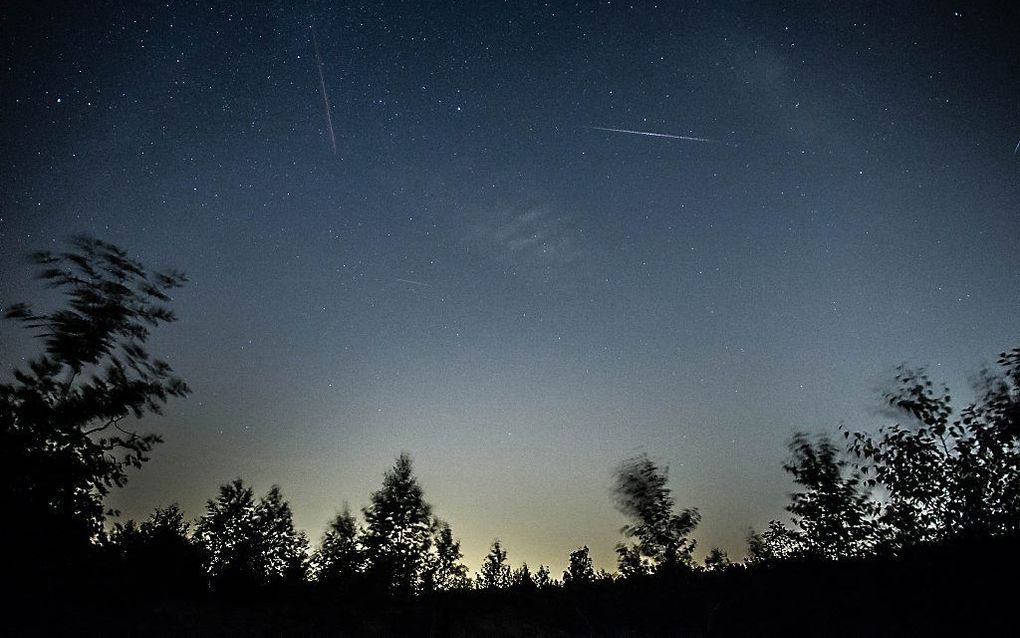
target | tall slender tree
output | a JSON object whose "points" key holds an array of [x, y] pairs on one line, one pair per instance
{"points": [[284, 549], [398, 533]]}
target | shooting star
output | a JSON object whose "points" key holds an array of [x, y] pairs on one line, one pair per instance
{"points": [[1017, 148], [322, 87], [650, 134], [411, 281]]}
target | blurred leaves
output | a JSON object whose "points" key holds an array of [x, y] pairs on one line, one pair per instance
{"points": [[64, 438], [946, 477], [641, 494]]}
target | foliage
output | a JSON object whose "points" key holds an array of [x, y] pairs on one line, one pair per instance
{"points": [[158, 555], [228, 534], [284, 549], [247, 543], [398, 535], [522, 578], [340, 559], [777, 543], [543, 578], [63, 439], [580, 570], [164, 524], [717, 561], [446, 571], [495, 571], [833, 511], [662, 535], [946, 477], [630, 562]]}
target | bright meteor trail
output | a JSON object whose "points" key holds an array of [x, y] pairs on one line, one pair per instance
{"points": [[650, 134], [322, 87]]}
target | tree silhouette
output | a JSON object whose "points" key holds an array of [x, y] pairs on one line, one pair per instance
{"points": [[340, 559], [164, 522], [64, 441], [446, 570], [398, 534], [630, 562], [158, 555], [717, 561], [284, 549], [946, 477], [247, 543], [495, 571], [522, 578], [777, 543], [580, 570], [228, 534], [662, 535], [834, 512], [543, 578]]}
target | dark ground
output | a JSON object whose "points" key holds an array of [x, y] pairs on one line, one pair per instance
{"points": [[963, 589]]}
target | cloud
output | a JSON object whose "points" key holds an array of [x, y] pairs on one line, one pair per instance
{"points": [[531, 235]]}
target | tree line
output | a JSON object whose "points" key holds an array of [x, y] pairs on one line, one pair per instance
{"points": [[938, 475], [241, 542]]}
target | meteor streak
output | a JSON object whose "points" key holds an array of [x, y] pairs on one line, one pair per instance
{"points": [[322, 87], [650, 134], [411, 281]]}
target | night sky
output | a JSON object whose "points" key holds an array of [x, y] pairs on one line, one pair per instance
{"points": [[480, 276]]}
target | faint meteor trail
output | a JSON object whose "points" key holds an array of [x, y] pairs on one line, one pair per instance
{"points": [[650, 134], [411, 281], [322, 87], [1017, 148]]}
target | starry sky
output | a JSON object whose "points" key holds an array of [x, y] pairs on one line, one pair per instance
{"points": [[481, 276]]}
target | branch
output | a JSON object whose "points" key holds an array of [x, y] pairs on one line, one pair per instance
{"points": [[72, 373], [100, 428], [133, 435]]}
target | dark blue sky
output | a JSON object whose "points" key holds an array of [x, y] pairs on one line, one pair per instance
{"points": [[481, 279]]}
